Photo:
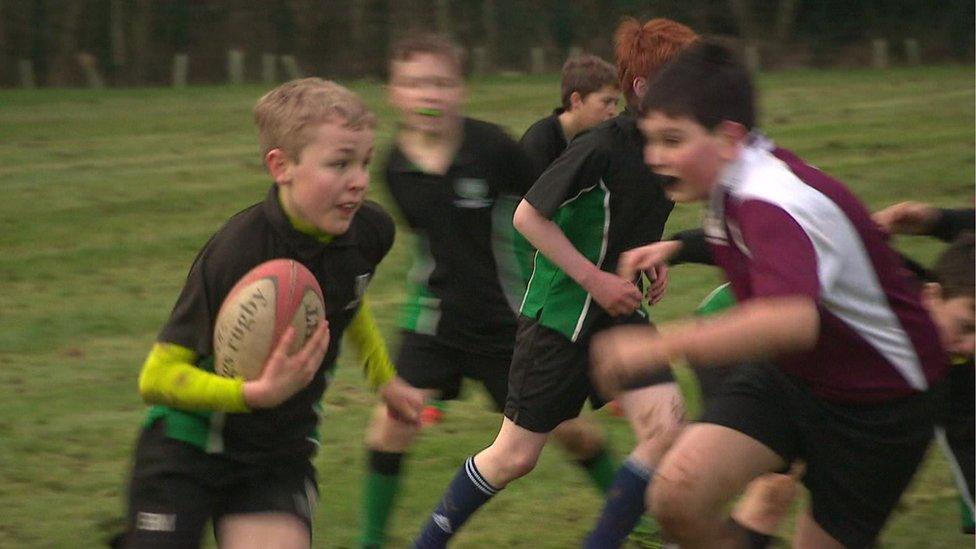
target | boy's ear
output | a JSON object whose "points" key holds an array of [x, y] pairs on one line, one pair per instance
{"points": [[732, 135], [279, 166], [575, 100], [640, 86], [931, 294]]}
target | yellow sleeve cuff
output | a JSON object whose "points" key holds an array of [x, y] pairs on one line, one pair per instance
{"points": [[169, 377], [365, 335]]}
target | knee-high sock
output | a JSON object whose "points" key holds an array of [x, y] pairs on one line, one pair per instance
{"points": [[623, 508], [379, 492], [465, 495]]}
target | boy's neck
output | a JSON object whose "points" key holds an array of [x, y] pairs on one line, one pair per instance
{"points": [[299, 224], [569, 124], [432, 152]]}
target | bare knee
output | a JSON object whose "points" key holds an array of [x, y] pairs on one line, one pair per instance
{"points": [[673, 502], [501, 465], [582, 439], [388, 434]]}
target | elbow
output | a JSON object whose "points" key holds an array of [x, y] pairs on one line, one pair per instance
{"points": [[523, 216]]}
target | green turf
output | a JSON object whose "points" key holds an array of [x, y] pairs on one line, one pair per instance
{"points": [[107, 195]]}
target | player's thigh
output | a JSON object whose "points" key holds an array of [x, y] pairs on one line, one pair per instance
{"points": [[860, 459], [426, 363], [653, 411], [492, 372], [548, 381], [277, 498], [170, 499], [263, 531], [708, 465]]}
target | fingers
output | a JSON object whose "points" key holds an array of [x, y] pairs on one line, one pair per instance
{"points": [[281, 350], [316, 345]]}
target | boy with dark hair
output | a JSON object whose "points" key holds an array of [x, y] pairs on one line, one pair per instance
{"points": [[589, 97], [456, 181], [820, 293], [235, 452], [596, 200]]}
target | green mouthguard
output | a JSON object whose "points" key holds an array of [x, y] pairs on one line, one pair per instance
{"points": [[428, 112]]}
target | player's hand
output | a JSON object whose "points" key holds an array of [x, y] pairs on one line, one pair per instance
{"points": [[618, 296], [906, 218], [284, 375], [404, 402], [658, 276], [646, 258], [621, 357]]}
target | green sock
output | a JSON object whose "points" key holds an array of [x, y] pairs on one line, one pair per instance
{"points": [[601, 469], [379, 492]]}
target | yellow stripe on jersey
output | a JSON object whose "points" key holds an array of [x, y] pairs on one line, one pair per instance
{"points": [[169, 377], [365, 335]]}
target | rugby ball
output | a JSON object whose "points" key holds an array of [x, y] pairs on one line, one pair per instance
{"points": [[257, 311]]}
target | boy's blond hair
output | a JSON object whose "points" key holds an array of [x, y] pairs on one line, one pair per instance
{"points": [[286, 115]]}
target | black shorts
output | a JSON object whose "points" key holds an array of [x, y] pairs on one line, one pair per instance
{"points": [[176, 488], [859, 457], [427, 363], [549, 381]]}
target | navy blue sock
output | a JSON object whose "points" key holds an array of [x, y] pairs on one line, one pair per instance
{"points": [[623, 508], [465, 495]]}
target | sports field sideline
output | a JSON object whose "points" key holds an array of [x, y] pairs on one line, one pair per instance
{"points": [[107, 196]]}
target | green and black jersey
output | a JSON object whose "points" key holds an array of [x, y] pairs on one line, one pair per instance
{"points": [[606, 201], [262, 232], [466, 282]]}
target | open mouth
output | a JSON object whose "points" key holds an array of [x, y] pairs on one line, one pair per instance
{"points": [[349, 207], [669, 181]]}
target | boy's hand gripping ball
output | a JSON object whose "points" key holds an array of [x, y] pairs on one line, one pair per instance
{"points": [[272, 296]]}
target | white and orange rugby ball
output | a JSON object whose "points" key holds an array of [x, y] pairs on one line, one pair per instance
{"points": [[269, 298]]}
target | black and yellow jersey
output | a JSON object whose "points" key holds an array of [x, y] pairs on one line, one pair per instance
{"points": [[343, 268]]}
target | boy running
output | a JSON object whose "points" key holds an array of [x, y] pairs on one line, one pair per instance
{"points": [[593, 202], [456, 181], [235, 452], [820, 293]]}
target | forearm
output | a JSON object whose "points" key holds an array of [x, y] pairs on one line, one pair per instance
{"points": [[169, 377], [365, 336], [550, 240], [757, 329]]}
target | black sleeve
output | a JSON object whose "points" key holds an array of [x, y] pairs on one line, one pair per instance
{"points": [[536, 144], [694, 248], [579, 168], [952, 222]]}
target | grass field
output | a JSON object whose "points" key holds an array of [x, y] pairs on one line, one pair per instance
{"points": [[107, 195]]}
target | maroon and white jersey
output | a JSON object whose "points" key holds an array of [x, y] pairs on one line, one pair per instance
{"points": [[779, 227]]}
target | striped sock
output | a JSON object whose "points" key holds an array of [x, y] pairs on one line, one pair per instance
{"points": [[623, 508], [465, 495]]}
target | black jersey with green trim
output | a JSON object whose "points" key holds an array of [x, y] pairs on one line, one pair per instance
{"points": [[544, 141], [343, 268], [466, 283], [606, 201]]}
